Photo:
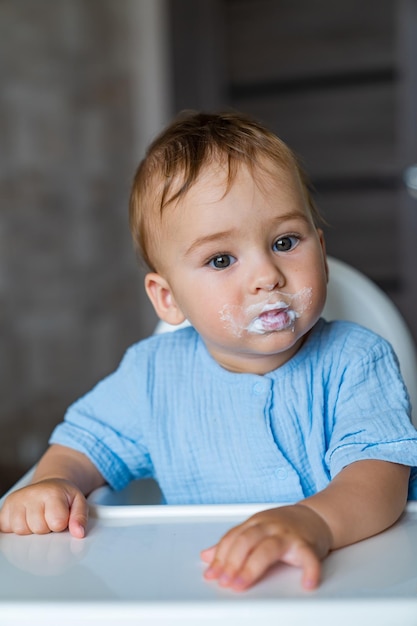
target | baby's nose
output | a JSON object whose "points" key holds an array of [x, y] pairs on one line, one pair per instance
{"points": [[267, 276]]}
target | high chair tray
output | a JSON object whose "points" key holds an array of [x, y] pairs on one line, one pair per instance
{"points": [[139, 564]]}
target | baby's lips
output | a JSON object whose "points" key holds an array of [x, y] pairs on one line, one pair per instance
{"points": [[272, 310]]}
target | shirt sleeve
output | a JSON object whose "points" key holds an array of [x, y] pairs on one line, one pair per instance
{"points": [[106, 424], [372, 414]]}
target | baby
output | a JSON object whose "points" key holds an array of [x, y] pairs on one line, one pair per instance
{"points": [[259, 399]]}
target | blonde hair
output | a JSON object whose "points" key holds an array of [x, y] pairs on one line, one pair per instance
{"points": [[175, 159]]}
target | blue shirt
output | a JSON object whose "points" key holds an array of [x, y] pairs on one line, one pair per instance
{"points": [[208, 435]]}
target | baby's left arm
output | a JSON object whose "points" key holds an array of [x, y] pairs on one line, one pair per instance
{"points": [[364, 499]]}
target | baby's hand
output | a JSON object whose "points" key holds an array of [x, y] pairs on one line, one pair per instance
{"points": [[294, 534], [45, 506]]}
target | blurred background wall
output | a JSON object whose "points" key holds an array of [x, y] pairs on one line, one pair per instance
{"points": [[85, 84]]}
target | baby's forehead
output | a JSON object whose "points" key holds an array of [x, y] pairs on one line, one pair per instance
{"points": [[217, 176], [261, 185]]}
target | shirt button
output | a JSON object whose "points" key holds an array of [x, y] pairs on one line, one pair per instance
{"points": [[259, 388], [281, 473]]}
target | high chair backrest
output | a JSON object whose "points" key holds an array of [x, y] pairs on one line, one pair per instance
{"points": [[353, 297]]}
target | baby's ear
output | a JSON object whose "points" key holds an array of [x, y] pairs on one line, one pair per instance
{"points": [[160, 294]]}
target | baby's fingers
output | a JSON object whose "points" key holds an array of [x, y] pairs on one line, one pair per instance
{"points": [[78, 516], [268, 551], [56, 513], [68, 510], [16, 523], [24, 519], [311, 566], [243, 557], [50, 505], [271, 551], [230, 555], [207, 555]]}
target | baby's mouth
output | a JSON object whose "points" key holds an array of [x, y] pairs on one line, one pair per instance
{"points": [[273, 318], [279, 312]]}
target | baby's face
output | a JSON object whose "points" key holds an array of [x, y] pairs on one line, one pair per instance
{"points": [[248, 268]]}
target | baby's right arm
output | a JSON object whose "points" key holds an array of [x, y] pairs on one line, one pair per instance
{"points": [[55, 500]]}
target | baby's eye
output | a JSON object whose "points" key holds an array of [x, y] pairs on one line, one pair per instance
{"points": [[221, 261], [284, 244]]}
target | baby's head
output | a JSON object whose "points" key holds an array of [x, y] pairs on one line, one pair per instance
{"points": [[181, 153], [222, 215]]}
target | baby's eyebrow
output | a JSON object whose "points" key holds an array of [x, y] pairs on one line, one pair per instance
{"points": [[207, 239], [291, 215]]}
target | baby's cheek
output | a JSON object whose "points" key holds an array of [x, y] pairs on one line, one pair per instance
{"points": [[232, 319]]}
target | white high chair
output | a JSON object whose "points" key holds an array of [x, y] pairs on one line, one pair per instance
{"points": [[352, 296]]}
